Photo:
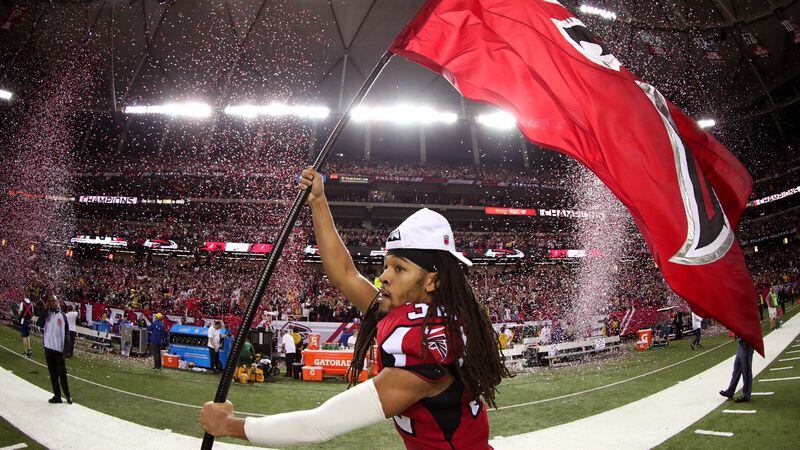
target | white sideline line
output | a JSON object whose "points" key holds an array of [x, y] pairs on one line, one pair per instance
{"points": [[781, 379], [25, 405], [15, 446], [762, 393], [714, 433], [739, 411], [782, 368], [789, 359]]}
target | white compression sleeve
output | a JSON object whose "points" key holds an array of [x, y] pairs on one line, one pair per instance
{"points": [[354, 408]]}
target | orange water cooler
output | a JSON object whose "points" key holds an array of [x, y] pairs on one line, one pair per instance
{"points": [[645, 339]]}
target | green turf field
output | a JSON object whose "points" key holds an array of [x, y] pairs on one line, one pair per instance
{"points": [[633, 374]]}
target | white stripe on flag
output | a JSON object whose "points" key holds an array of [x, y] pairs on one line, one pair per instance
{"points": [[780, 379], [739, 411], [714, 433], [782, 368]]}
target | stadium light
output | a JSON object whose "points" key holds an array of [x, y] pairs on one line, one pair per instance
{"points": [[402, 114], [501, 120], [595, 11], [191, 109], [706, 123], [278, 110], [6, 95]]}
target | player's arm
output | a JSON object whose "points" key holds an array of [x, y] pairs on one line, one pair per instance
{"points": [[389, 394], [336, 260]]}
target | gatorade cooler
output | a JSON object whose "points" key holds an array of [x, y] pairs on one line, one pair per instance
{"points": [[645, 339], [312, 373], [170, 360], [313, 341]]}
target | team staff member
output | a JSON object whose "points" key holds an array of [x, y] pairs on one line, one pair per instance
{"points": [[25, 316], [56, 341], [697, 329], [437, 350], [213, 346], [290, 349], [155, 339]]}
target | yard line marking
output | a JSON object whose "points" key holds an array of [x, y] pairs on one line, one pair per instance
{"points": [[762, 393], [714, 433], [560, 397], [782, 368], [793, 351], [15, 446], [789, 359], [739, 411], [780, 379]]}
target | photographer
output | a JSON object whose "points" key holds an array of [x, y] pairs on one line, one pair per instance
{"points": [[56, 337]]}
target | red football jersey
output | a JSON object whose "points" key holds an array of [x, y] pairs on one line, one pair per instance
{"points": [[449, 420]]}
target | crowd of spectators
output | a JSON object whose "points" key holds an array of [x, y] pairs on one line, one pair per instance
{"points": [[202, 289], [758, 228]]}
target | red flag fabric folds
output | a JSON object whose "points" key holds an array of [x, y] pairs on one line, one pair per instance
{"points": [[685, 190]]}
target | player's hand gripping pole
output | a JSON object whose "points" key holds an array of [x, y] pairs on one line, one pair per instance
{"points": [[288, 224]]}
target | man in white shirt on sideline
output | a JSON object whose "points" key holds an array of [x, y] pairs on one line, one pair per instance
{"points": [[291, 351], [55, 328], [697, 326], [72, 315], [213, 346]]}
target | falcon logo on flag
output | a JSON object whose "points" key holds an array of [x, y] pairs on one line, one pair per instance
{"points": [[437, 341], [576, 33]]}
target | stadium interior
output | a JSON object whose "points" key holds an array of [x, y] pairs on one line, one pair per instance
{"points": [[127, 211]]}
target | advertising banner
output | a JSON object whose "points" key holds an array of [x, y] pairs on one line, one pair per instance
{"points": [[109, 241], [501, 211], [108, 199]]}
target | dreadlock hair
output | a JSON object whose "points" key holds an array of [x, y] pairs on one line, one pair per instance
{"points": [[366, 337], [483, 365]]}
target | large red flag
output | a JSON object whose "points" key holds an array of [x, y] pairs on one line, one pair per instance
{"points": [[684, 189]]}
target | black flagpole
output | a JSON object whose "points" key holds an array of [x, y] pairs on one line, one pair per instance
{"points": [[288, 224]]}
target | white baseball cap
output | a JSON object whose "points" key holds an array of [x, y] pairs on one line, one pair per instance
{"points": [[425, 230]]}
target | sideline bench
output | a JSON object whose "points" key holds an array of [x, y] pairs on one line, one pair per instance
{"points": [[554, 353]]}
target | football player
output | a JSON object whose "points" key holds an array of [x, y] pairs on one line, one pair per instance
{"points": [[438, 360]]}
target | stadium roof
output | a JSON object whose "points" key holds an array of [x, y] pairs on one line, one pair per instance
{"points": [[314, 51]]}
